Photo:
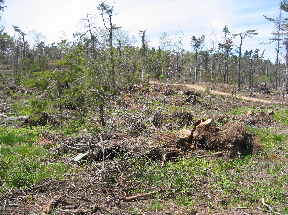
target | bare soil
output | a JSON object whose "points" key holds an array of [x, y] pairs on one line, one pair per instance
{"points": [[231, 91]]}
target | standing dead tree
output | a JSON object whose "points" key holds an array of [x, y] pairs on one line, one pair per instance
{"points": [[197, 44], [109, 11], [144, 50], [227, 47], [243, 35]]}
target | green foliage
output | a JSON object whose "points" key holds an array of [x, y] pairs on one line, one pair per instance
{"points": [[237, 181], [17, 135], [239, 110], [162, 77], [31, 105], [38, 105], [22, 107], [196, 43], [20, 166], [155, 205], [281, 116], [207, 91], [278, 138], [269, 139], [21, 161], [10, 138], [41, 80], [266, 79]]}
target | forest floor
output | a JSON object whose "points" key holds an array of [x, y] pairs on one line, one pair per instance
{"points": [[137, 165]]}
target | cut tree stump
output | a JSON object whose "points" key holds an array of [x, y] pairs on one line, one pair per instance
{"points": [[232, 140]]}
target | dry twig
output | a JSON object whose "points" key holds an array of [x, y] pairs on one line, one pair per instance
{"points": [[131, 198]]}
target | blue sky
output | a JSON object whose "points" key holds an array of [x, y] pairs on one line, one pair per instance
{"points": [[59, 19]]}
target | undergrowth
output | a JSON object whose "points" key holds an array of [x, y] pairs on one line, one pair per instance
{"points": [[22, 162], [255, 181], [241, 182]]}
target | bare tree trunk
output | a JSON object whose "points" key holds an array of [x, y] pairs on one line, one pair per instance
{"points": [[250, 73], [226, 67], [196, 65], [239, 62], [277, 64], [112, 63], [143, 55]]}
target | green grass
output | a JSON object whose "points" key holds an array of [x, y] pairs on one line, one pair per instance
{"points": [[12, 135], [270, 139], [22, 166], [31, 104], [155, 205], [281, 116], [239, 111], [22, 163], [235, 182]]}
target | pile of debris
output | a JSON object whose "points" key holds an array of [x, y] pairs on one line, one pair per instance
{"points": [[41, 118], [259, 119], [232, 140]]}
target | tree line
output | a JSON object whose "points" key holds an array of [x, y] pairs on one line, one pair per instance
{"points": [[105, 58]]}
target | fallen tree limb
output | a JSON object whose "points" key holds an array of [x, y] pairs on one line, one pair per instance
{"points": [[131, 198], [269, 207]]}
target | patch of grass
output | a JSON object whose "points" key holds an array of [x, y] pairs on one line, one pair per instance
{"points": [[22, 166], [135, 211], [239, 110], [233, 182], [207, 91], [155, 205], [281, 116], [269, 139], [38, 105], [17, 135], [30, 105], [9, 138], [278, 138], [22, 106], [21, 161]]}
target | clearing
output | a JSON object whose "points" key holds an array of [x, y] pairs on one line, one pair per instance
{"points": [[139, 164]]}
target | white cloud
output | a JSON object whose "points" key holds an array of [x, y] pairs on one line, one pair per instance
{"points": [[50, 17], [217, 24]]}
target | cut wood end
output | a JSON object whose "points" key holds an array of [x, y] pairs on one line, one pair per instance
{"points": [[249, 113], [184, 133], [205, 123]]}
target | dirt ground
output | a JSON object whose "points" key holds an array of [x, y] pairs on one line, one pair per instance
{"points": [[244, 94], [103, 186]]}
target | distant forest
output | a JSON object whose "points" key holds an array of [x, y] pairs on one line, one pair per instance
{"points": [[105, 58]]}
